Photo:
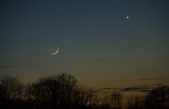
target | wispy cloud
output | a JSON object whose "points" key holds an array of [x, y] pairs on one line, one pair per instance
{"points": [[105, 89], [139, 88], [142, 79], [147, 79], [145, 88]]}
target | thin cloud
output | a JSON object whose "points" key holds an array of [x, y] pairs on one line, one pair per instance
{"points": [[137, 89], [106, 89], [148, 79], [142, 88], [142, 79]]}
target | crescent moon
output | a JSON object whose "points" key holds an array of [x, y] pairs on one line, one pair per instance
{"points": [[56, 52]]}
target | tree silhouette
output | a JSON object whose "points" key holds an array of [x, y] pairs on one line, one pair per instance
{"points": [[55, 91], [158, 98], [12, 86], [11, 90], [114, 101], [64, 92], [135, 102], [84, 97]]}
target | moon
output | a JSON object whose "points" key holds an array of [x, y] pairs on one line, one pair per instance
{"points": [[56, 52]]}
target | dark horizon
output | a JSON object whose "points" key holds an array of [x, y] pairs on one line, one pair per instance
{"points": [[63, 91]]}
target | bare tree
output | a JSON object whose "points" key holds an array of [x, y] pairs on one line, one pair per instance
{"points": [[12, 85], [134, 102], [158, 98], [54, 92], [114, 101], [83, 97], [11, 90]]}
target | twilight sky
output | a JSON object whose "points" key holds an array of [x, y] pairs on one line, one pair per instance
{"points": [[97, 44]]}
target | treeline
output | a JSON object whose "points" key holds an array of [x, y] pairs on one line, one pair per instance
{"points": [[64, 92]]}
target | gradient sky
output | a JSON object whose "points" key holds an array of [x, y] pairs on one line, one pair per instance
{"points": [[97, 43]]}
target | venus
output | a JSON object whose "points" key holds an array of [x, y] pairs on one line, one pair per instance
{"points": [[127, 17]]}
